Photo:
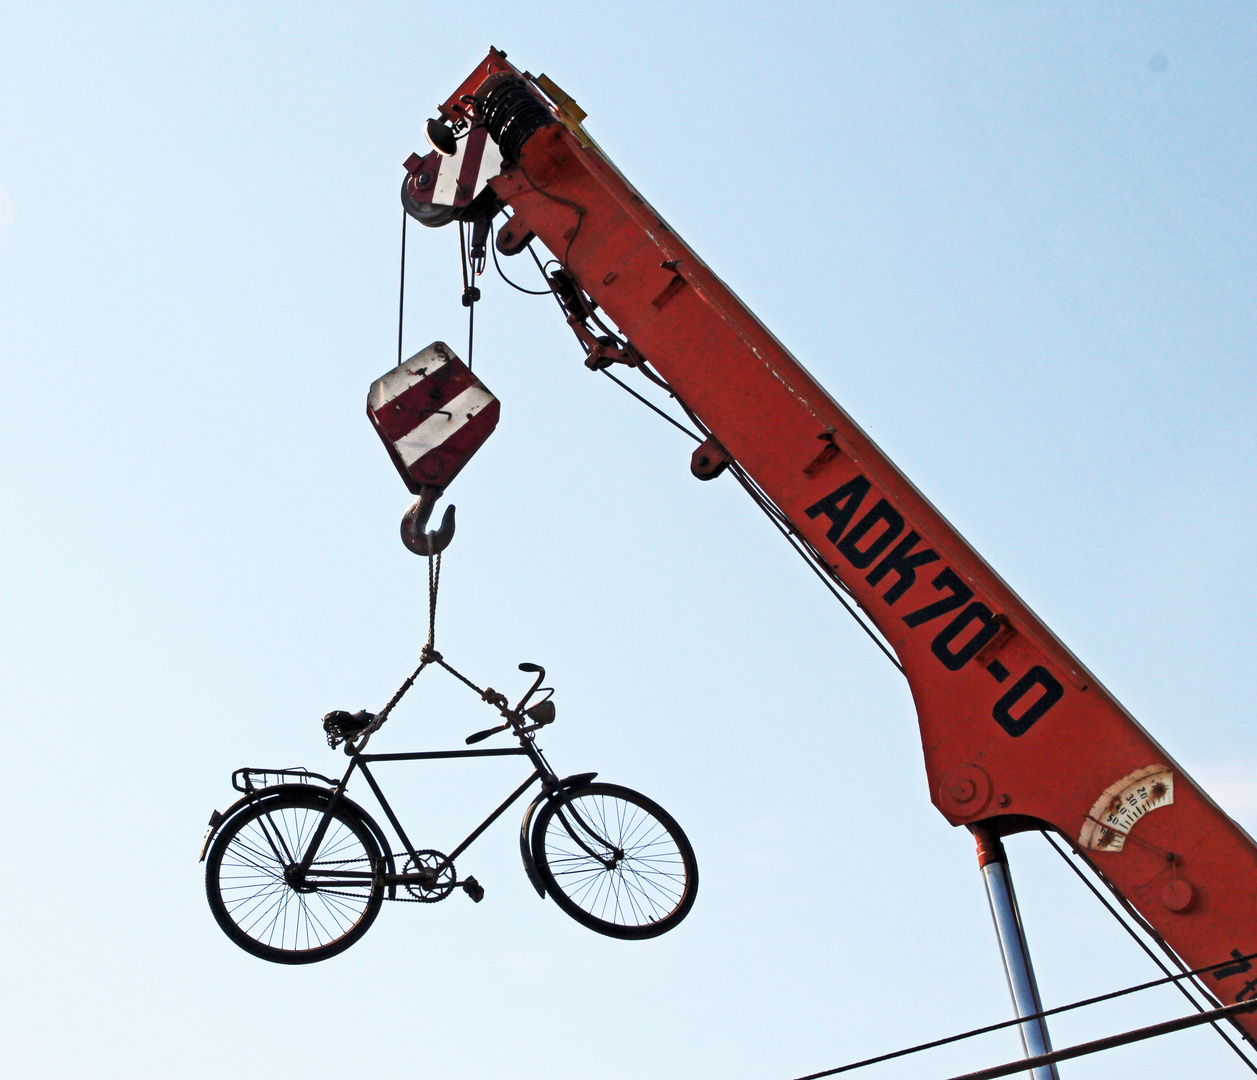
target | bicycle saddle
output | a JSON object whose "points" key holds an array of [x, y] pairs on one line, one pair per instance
{"points": [[341, 725]]}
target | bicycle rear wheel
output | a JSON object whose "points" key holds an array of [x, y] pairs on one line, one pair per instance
{"points": [[253, 899], [615, 861]]}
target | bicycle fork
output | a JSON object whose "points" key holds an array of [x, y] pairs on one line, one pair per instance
{"points": [[616, 853]]}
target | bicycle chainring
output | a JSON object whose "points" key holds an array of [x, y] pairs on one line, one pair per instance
{"points": [[439, 887]]}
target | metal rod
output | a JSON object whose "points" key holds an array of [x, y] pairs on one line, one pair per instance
{"points": [[1022, 986], [388, 810], [428, 755], [489, 820], [1111, 1041]]}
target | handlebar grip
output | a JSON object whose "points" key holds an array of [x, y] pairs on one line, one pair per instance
{"points": [[480, 736]]}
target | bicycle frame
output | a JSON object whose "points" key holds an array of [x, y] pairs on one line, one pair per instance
{"points": [[303, 872], [303, 875]]}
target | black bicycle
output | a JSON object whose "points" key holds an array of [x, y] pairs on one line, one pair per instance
{"points": [[296, 871]]}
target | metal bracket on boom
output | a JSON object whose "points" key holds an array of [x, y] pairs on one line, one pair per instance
{"points": [[710, 459]]}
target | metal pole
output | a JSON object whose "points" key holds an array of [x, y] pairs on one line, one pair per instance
{"points": [[1012, 943]]}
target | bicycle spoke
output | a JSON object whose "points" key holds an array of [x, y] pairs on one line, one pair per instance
{"points": [[249, 883], [639, 882]]}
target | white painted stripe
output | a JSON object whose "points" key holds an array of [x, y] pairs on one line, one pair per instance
{"points": [[490, 165], [446, 190], [436, 429], [402, 378]]}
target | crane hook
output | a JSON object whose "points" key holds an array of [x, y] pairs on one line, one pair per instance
{"points": [[415, 522]]}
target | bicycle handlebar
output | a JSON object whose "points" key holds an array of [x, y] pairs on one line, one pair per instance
{"points": [[541, 674], [480, 736]]}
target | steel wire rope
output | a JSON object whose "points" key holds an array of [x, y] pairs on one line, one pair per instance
{"points": [[434, 586], [809, 554], [427, 655], [469, 297], [801, 544], [401, 292], [652, 406], [1125, 905], [761, 499], [987, 1028]]}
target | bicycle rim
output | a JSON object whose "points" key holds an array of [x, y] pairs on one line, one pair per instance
{"points": [[256, 906], [615, 861]]}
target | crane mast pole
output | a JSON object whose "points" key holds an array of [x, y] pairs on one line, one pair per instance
{"points": [[1014, 950]]}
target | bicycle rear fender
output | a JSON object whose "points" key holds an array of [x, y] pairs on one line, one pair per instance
{"points": [[525, 828], [217, 820]]}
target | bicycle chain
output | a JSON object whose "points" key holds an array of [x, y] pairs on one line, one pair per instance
{"points": [[360, 896]]}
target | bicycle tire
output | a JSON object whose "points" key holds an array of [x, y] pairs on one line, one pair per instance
{"points": [[647, 891], [260, 911]]}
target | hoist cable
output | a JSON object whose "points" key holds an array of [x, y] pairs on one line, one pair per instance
{"points": [[1144, 945], [652, 406], [986, 1029], [801, 544], [468, 297], [772, 511], [401, 292], [809, 555], [761, 499]]}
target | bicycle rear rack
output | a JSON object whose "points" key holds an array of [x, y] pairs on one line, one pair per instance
{"points": [[250, 780]]}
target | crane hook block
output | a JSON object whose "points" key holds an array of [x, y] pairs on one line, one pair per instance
{"points": [[432, 414]]}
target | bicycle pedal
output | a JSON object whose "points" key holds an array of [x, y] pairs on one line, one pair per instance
{"points": [[474, 889]]}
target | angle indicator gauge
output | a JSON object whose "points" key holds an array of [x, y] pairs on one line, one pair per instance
{"points": [[1123, 803]]}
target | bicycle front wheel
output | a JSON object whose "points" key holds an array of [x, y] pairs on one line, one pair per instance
{"points": [[615, 861], [252, 893]]}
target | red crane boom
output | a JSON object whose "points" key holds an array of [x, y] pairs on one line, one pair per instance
{"points": [[1016, 732]]}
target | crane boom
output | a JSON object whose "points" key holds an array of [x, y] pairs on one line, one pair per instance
{"points": [[1016, 732]]}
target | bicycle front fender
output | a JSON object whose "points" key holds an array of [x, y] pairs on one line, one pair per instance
{"points": [[525, 829], [525, 844]]}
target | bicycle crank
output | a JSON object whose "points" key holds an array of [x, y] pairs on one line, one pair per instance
{"points": [[431, 878]]}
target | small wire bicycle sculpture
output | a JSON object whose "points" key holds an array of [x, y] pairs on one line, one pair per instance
{"points": [[296, 871]]}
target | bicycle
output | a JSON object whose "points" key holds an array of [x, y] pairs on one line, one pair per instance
{"points": [[297, 872]]}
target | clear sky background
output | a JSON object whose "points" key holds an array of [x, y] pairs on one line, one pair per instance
{"points": [[1016, 242]]}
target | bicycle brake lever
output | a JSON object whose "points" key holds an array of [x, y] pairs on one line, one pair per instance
{"points": [[480, 736]]}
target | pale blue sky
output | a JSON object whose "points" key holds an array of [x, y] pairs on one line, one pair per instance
{"points": [[1013, 243]]}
